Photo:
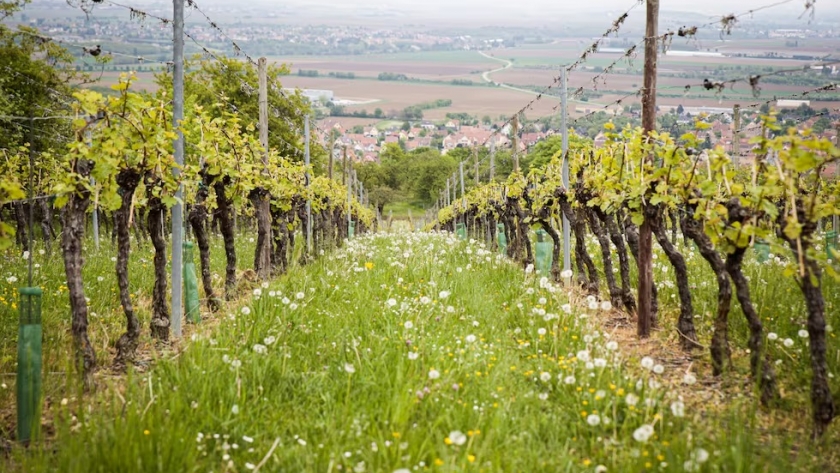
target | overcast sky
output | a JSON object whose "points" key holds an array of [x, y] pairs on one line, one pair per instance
{"points": [[524, 12], [551, 13], [715, 6]]}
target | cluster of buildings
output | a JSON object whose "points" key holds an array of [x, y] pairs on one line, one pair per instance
{"points": [[365, 146]]}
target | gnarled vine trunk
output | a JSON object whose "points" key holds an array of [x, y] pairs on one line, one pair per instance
{"points": [[606, 256], [262, 253], [198, 221], [126, 346], [160, 309], [721, 354], [809, 277], [623, 260], [224, 214], [685, 323], [73, 230]]}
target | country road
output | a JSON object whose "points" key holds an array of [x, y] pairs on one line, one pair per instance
{"points": [[508, 65]]}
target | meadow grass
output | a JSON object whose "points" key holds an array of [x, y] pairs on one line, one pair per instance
{"points": [[419, 352]]}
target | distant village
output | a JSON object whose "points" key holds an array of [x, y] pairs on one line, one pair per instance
{"points": [[362, 144]]}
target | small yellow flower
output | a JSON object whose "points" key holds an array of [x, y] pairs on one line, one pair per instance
{"points": [[369, 265], [438, 462], [447, 441], [396, 435], [146, 432], [587, 462], [471, 458]]}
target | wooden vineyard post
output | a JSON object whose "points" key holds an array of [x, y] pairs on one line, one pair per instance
{"points": [[648, 124]]}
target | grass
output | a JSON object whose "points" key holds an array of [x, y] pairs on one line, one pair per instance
{"points": [[401, 209], [421, 352]]}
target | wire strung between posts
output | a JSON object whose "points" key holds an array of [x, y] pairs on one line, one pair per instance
{"points": [[824, 88], [56, 93], [754, 79], [726, 20], [93, 51], [593, 48]]}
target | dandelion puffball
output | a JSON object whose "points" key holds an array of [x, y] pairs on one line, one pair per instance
{"points": [[643, 433], [456, 437]]}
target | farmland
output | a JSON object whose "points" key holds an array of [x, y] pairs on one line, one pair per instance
{"points": [[431, 73]]}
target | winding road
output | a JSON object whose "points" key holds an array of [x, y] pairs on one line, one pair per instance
{"points": [[508, 65]]}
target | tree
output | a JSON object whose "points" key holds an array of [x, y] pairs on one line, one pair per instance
{"points": [[430, 174], [237, 82], [378, 113], [486, 120], [406, 126], [822, 124], [680, 109]]}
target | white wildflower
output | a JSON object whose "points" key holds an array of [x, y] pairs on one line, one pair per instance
{"points": [[643, 433], [678, 408], [457, 437]]}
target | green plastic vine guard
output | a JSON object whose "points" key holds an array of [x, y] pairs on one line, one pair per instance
{"points": [[830, 243], [461, 231], [30, 359], [543, 252], [762, 250], [351, 230], [501, 238], [191, 302]]}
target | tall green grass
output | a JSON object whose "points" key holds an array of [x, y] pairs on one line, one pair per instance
{"points": [[420, 352]]}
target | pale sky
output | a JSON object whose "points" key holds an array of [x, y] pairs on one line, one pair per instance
{"points": [[471, 12]]}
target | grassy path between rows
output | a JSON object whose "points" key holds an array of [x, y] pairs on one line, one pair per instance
{"points": [[408, 352]]}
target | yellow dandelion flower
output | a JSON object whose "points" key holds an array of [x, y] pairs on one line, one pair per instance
{"points": [[471, 458]]}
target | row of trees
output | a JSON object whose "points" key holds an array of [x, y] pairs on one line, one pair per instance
{"points": [[683, 194], [116, 155]]}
